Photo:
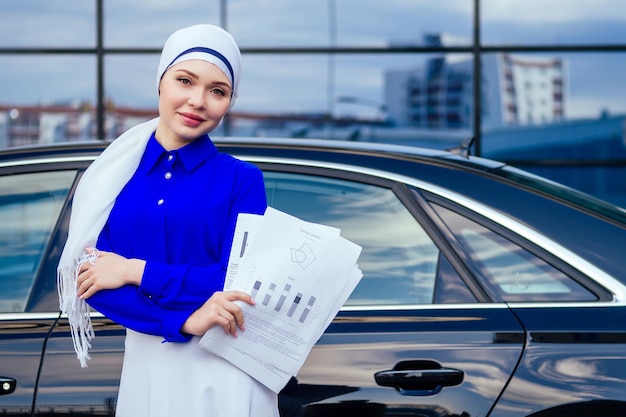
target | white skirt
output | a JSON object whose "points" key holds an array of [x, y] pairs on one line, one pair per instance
{"points": [[182, 379]]}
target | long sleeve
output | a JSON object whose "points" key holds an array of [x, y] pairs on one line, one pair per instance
{"points": [[185, 237], [131, 309]]}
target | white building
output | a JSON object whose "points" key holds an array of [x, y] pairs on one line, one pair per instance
{"points": [[532, 89], [515, 91]]}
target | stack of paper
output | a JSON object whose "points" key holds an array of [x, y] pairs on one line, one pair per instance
{"points": [[300, 274]]}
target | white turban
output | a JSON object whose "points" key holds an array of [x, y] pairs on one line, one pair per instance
{"points": [[208, 43]]}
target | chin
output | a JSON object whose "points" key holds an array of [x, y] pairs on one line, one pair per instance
{"points": [[191, 133]]}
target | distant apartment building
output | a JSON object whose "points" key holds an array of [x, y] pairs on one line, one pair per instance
{"points": [[515, 91]]}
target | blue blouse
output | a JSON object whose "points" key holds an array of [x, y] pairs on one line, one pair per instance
{"points": [[177, 212]]}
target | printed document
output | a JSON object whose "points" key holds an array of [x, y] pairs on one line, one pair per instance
{"points": [[300, 274]]}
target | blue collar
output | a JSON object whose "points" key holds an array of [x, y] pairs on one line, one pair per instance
{"points": [[191, 155]]}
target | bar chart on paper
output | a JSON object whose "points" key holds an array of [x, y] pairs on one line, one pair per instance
{"points": [[286, 301]]}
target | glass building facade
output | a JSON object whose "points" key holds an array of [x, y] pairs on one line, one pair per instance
{"points": [[548, 97]]}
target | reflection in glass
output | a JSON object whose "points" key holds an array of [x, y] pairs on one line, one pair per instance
{"points": [[398, 260], [148, 23], [46, 99], [603, 181], [514, 273], [131, 91], [532, 89], [570, 115], [413, 100], [49, 23], [345, 23], [521, 91], [53, 81], [434, 95], [29, 207], [558, 22], [530, 102]]}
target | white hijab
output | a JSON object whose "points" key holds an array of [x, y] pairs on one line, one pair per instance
{"points": [[208, 43], [109, 173]]}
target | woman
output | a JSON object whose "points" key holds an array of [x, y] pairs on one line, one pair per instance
{"points": [[160, 205]]}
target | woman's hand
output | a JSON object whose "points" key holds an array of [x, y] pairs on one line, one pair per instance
{"points": [[219, 310], [108, 271]]}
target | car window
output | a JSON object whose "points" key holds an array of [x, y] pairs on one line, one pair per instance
{"points": [[513, 272], [400, 263], [29, 208]]}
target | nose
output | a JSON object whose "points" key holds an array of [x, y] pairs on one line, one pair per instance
{"points": [[197, 98]]}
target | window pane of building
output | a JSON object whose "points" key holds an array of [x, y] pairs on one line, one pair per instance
{"points": [[148, 23], [558, 22], [595, 84], [346, 22], [435, 93], [564, 111], [371, 97], [411, 99], [131, 91], [40, 93], [47, 79], [543, 89], [521, 90], [49, 23]]}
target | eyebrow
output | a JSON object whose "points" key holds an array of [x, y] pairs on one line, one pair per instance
{"points": [[190, 73]]}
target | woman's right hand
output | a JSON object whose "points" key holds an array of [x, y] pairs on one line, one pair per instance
{"points": [[107, 270], [219, 310]]}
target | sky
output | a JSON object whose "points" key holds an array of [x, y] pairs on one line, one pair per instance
{"points": [[293, 83]]}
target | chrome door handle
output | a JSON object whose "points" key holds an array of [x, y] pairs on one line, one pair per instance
{"points": [[419, 377]]}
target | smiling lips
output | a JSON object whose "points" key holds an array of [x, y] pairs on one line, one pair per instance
{"points": [[191, 119]]}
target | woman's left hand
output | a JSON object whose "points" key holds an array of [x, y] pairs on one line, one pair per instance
{"points": [[108, 271], [219, 310]]}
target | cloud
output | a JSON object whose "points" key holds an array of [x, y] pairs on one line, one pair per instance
{"points": [[35, 79], [542, 11], [44, 23]]}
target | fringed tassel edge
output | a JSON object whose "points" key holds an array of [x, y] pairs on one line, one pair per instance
{"points": [[76, 310]]}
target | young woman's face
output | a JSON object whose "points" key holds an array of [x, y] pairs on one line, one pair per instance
{"points": [[194, 97]]}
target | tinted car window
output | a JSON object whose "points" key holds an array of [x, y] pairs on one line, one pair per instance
{"points": [[568, 194], [400, 262], [29, 208], [513, 272]]}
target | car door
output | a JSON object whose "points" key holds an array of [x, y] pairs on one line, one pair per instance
{"points": [[30, 205], [64, 388], [415, 337], [34, 219], [574, 362]]}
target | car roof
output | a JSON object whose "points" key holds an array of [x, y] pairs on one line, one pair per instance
{"points": [[86, 147], [345, 152]]}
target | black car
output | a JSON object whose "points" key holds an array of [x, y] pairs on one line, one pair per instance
{"points": [[486, 291]]}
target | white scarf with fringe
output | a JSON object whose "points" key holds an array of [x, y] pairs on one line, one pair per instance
{"points": [[93, 201]]}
